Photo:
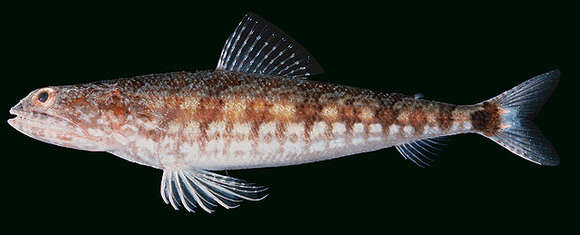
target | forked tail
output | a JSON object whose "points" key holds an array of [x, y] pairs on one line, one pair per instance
{"points": [[509, 115]]}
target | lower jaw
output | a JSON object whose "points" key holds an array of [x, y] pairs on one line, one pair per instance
{"points": [[41, 130]]}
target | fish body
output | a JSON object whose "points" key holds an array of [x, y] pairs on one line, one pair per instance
{"points": [[230, 120], [258, 110]]}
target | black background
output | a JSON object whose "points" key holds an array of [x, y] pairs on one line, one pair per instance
{"points": [[454, 53]]}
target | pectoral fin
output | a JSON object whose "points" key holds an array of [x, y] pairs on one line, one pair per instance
{"points": [[193, 189]]}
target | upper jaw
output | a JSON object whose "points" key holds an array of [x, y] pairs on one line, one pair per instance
{"points": [[22, 115], [17, 111], [53, 129], [25, 121]]}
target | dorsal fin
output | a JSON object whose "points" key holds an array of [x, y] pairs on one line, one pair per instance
{"points": [[257, 46]]}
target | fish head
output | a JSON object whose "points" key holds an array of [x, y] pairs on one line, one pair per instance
{"points": [[59, 115]]}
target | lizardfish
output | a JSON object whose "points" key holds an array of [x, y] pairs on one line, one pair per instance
{"points": [[258, 109]]}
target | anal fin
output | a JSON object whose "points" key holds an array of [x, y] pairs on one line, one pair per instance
{"points": [[418, 151], [193, 189]]}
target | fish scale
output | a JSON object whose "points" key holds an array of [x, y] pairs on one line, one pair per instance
{"points": [[222, 126], [257, 109]]}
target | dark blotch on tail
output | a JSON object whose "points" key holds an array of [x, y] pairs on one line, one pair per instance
{"points": [[506, 119], [487, 120]]}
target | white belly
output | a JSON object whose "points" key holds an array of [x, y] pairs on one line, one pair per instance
{"points": [[240, 150], [276, 153], [324, 141]]}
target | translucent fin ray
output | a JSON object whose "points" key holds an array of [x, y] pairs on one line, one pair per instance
{"points": [[418, 151], [194, 189], [528, 97], [257, 46], [519, 135]]}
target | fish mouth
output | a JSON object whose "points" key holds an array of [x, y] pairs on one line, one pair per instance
{"points": [[14, 111], [24, 116], [53, 129], [43, 126]]}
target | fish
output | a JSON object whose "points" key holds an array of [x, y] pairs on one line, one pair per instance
{"points": [[259, 108]]}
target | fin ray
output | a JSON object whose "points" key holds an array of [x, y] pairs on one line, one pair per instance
{"points": [[173, 193], [213, 197], [193, 189], [278, 54], [519, 105], [418, 151], [185, 196]]}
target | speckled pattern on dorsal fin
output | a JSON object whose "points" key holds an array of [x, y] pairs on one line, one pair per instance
{"points": [[257, 46]]}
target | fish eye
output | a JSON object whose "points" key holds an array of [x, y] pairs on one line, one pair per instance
{"points": [[42, 96]]}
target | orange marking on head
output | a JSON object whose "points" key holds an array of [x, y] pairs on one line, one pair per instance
{"points": [[115, 111]]}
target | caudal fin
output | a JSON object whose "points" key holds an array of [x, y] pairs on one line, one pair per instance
{"points": [[515, 109]]}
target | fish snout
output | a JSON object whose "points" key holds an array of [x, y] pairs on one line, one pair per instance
{"points": [[16, 110]]}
